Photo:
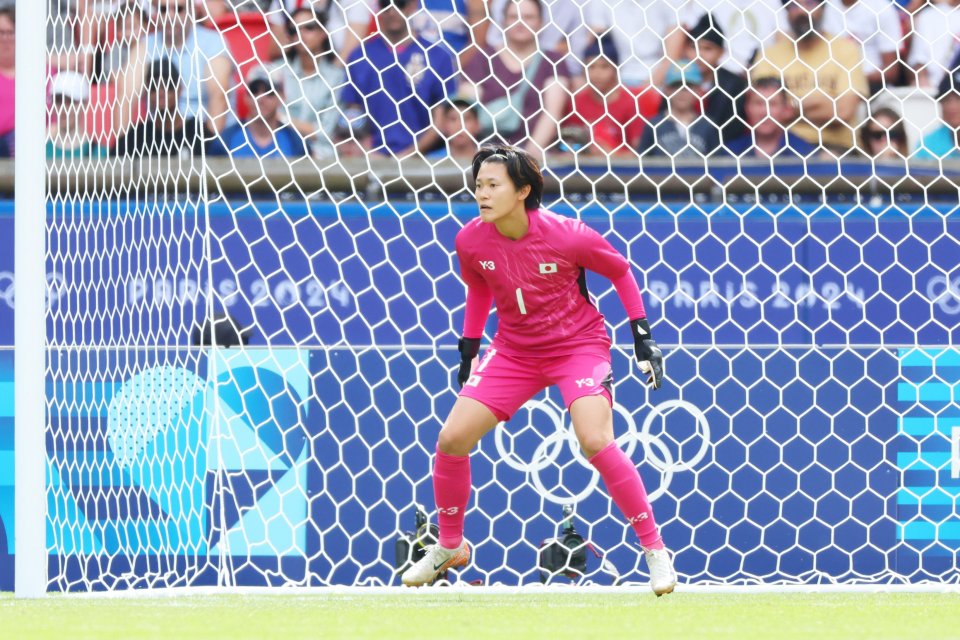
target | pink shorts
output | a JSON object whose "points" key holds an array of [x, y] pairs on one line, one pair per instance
{"points": [[503, 382]]}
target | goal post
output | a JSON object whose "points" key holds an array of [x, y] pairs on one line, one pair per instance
{"points": [[29, 535]]}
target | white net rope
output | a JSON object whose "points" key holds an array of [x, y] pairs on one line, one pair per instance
{"points": [[289, 176]]}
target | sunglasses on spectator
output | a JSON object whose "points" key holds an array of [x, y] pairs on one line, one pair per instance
{"points": [[874, 134], [7, 33], [308, 26]]}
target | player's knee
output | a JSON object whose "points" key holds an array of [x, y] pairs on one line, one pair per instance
{"points": [[453, 442], [594, 443]]}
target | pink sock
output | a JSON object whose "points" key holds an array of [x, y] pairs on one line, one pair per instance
{"points": [[626, 488], [451, 490]]}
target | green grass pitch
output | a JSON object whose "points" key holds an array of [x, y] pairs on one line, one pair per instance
{"points": [[817, 616]]}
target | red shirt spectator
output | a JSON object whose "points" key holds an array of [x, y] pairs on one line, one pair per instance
{"points": [[608, 117]]}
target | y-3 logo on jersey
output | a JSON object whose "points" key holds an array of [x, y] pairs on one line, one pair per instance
{"points": [[585, 382], [548, 267], [486, 264]]}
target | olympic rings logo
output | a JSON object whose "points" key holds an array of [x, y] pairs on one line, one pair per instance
{"points": [[654, 448], [945, 293]]}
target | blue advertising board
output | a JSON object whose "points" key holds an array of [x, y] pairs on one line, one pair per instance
{"points": [[798, 439]]}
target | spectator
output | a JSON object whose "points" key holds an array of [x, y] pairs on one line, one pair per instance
{"points": [[8, 69], [942, 142], [264, 134], [199, 54], [311, 77], [639, 29], [607, 117], [681, 130], [6, 146], [68, 35], [522, 90], [397, 79], [460, 127], [748, 27], [769, 110], [722, 90], [164, 131], [883, 136], [936, 30], [444, 20], [822, 72], [67, 138], [349, 21], [125, 27], [564, 30], [875, 27]]}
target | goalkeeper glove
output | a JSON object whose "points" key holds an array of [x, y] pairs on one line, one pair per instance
{"points": [[649, 356], [469, 348]]}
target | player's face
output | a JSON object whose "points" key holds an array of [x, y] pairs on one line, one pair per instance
{"points": [[496, 195]]}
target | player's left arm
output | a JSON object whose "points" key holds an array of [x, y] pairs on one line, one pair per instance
{"points": [[595, 253]]}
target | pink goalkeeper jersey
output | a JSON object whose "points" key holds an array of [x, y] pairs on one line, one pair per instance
{"points": [[538, 282]]}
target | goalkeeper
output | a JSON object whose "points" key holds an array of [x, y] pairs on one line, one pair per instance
{"points": [[531, 263]]}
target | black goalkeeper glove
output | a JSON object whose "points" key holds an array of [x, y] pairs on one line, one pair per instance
{"points": [[649, 356], [469, 348]]}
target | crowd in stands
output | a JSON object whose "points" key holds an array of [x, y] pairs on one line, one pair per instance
{"points": [[331, 79]]}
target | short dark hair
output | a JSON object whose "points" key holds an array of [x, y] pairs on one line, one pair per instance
{"points": [[162, 74], [10, 12], [538, 3], [767, 82], [522, 169], [461, 104], [708, 29]]}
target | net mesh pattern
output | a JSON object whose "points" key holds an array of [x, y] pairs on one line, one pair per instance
{"points": [[254, 300]]}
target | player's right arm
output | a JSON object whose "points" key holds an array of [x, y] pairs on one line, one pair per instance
{"points": [[477, 308], [595, 253]]}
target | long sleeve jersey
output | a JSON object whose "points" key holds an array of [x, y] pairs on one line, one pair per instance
{"points": [[538, 283]]}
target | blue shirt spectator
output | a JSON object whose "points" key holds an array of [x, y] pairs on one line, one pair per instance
{"points": [[201, 56], [397, 79], [444, 20], [191, 56], [239, 142], [680, 130], [264, 135], [768, 110], [942, 142], [790, 146]]}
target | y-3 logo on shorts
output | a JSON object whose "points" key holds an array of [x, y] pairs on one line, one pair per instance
{"points": [[486, 265], [585, 382]]}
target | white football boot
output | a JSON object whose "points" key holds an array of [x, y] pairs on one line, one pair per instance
{"points": [[436, 561], [662, 576]]}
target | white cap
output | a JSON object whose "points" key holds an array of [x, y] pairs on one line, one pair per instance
{"points": [[71, 84]]}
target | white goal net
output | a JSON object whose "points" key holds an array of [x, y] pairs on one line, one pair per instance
{"points": [[254, 304]]}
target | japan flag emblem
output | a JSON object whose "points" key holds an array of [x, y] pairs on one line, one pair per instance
{"points": [[548, 267]]}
